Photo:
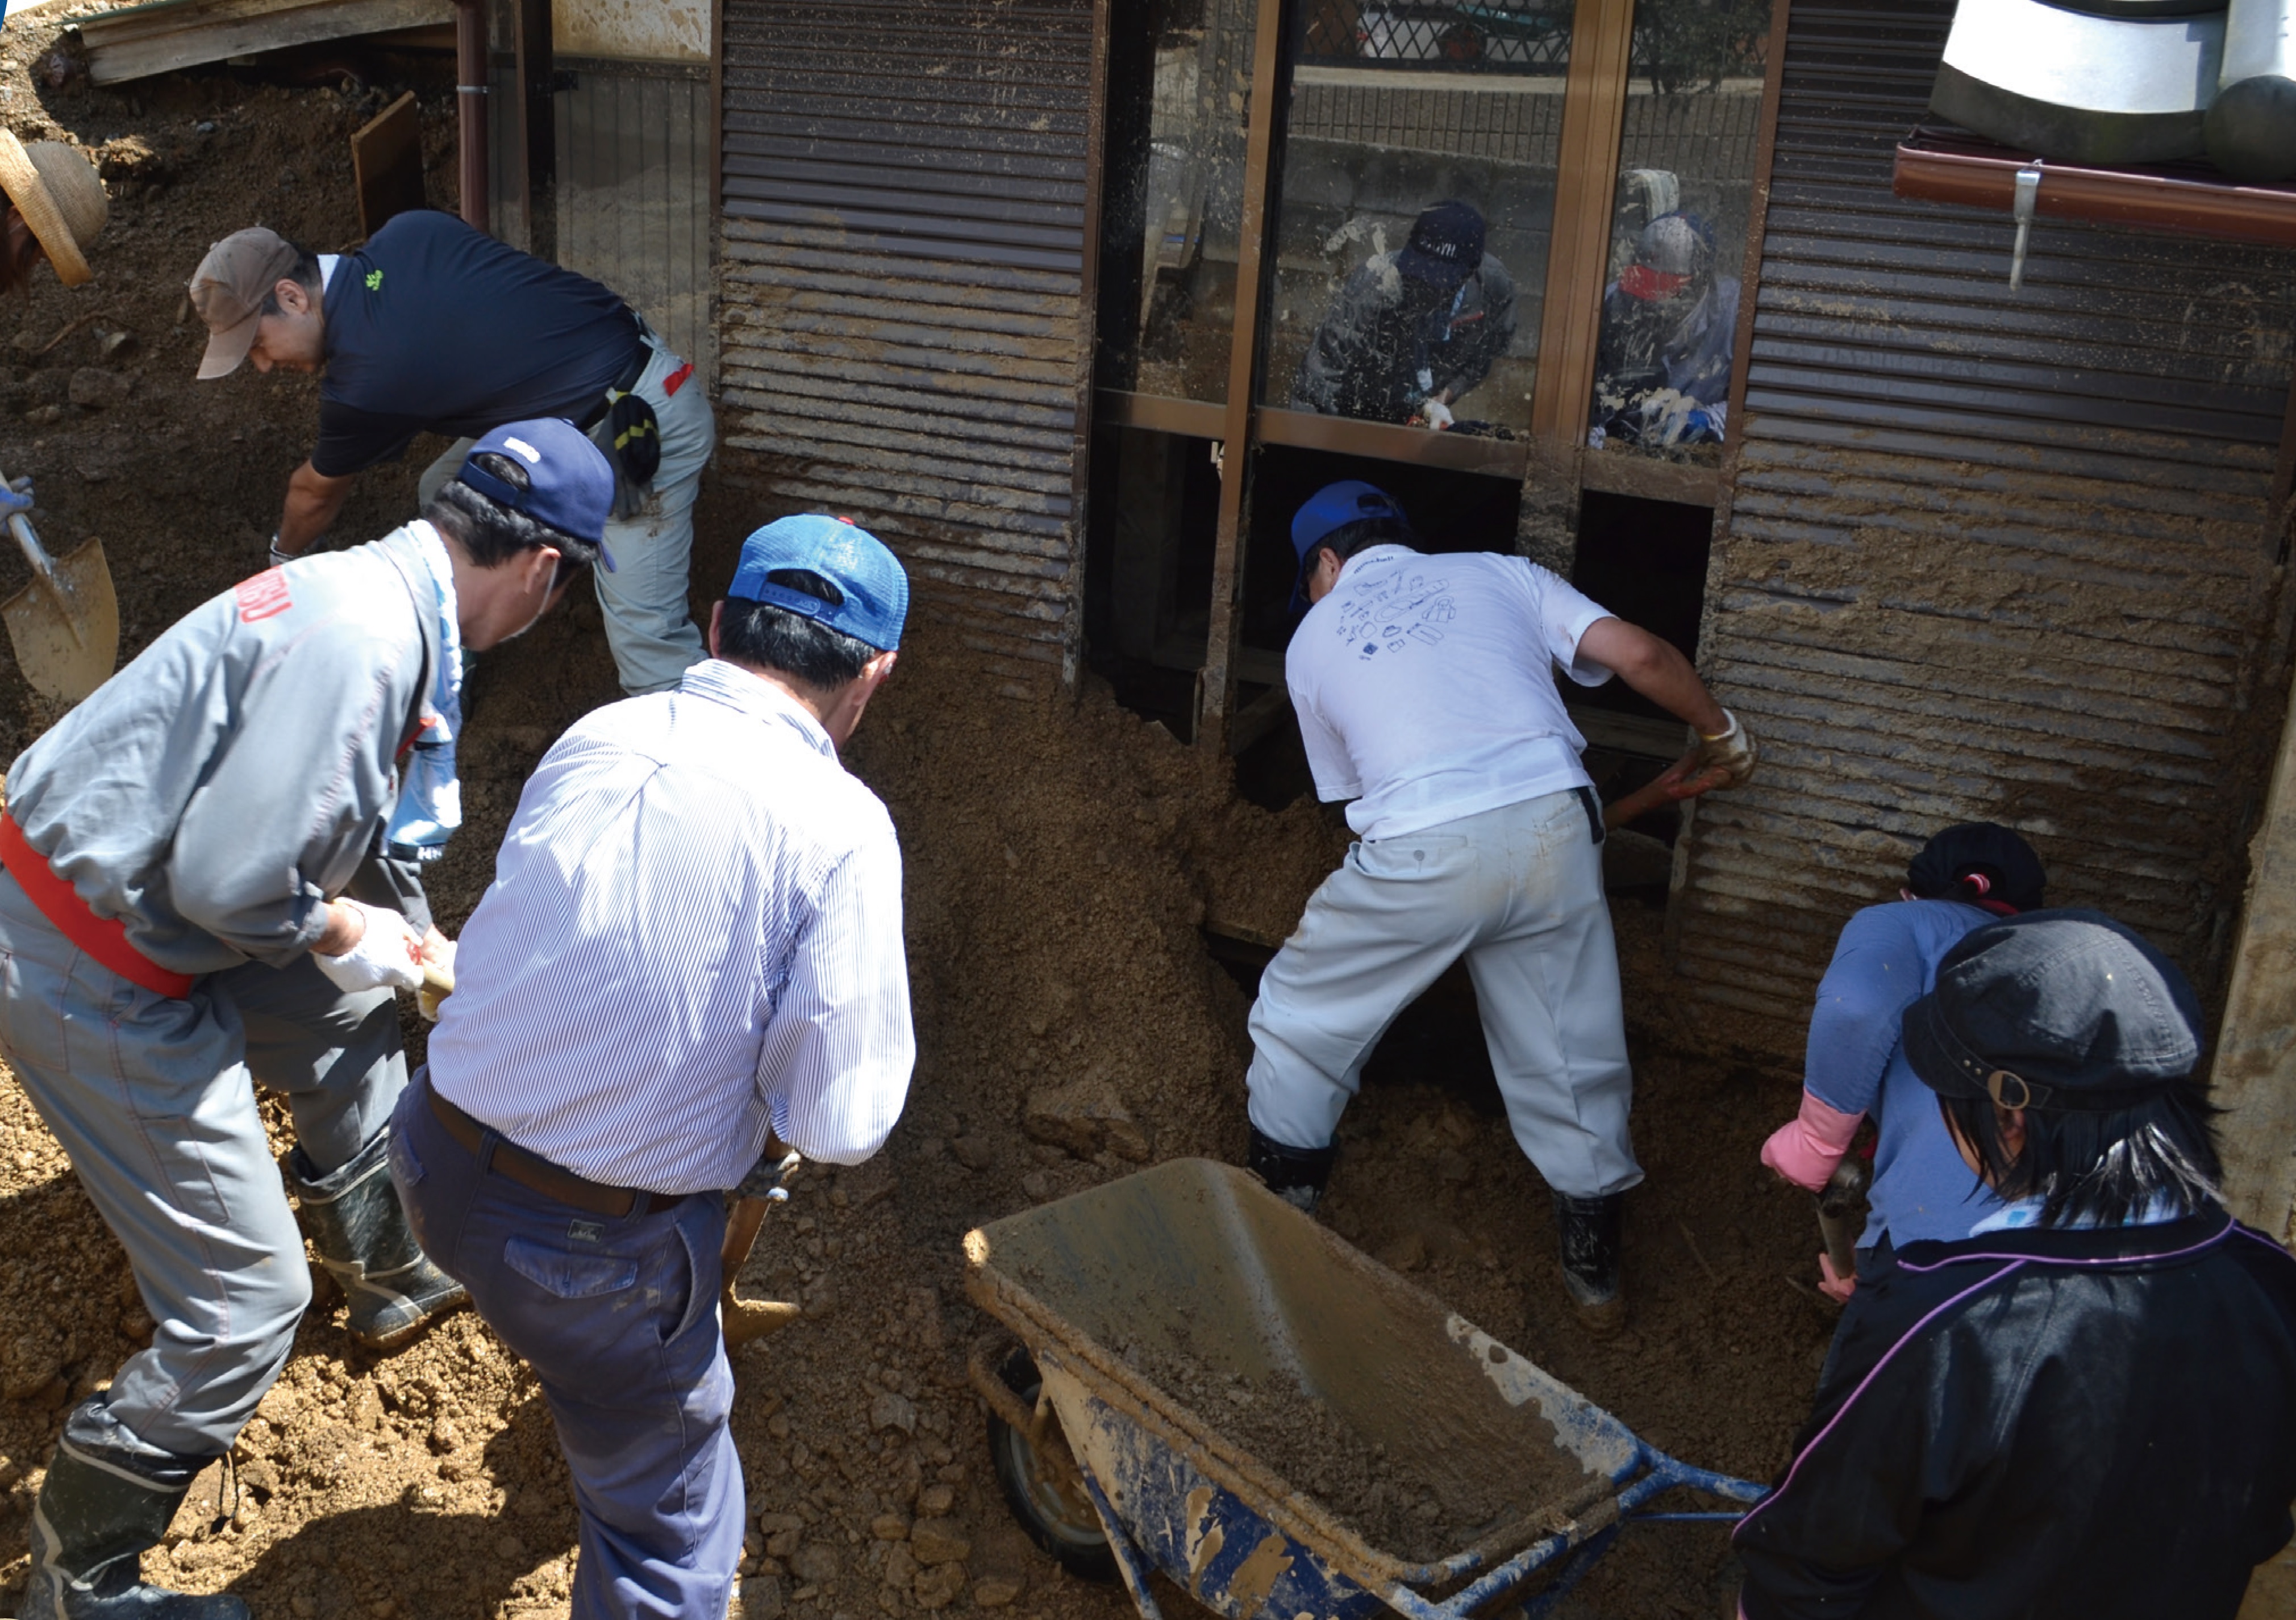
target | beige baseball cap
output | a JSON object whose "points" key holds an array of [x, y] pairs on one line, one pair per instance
{"points": [[228, 290], [60, 196]]}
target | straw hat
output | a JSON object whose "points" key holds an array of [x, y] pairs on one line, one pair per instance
{"points": [[60, 196]]}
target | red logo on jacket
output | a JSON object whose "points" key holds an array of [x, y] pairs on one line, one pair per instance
{"points": [[265, 596]]}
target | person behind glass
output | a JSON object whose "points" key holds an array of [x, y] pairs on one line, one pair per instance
{"points": [[1414, 329], [1856, 1066], [2085, 1408], [1669, 325]]}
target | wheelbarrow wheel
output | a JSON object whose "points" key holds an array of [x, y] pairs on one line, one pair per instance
{"points": [[1042, 1485]]}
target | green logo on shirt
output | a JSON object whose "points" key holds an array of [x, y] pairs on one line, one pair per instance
{"points": [[374, 280]]}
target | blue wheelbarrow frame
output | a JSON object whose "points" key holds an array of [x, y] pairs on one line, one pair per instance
{"points": [[1174, 1495]]}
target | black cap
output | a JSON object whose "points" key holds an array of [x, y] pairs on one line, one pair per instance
{"points": [[2008, 871], [1446, 246], [2057, 1011]]}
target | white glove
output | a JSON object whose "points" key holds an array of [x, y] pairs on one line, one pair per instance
{"points": [[1730, 751], [1435, 413], [387, 953]]}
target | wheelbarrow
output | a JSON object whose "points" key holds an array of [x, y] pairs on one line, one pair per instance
{"points": [[1195, 1264]]}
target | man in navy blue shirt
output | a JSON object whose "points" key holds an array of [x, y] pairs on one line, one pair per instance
{"points": [[433, 326]]}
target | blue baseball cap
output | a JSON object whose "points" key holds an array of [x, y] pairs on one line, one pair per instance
{"points": [[872, 587], [1330, 509], [569, 484]]}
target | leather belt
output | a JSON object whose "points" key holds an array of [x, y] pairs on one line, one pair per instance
{"points": [[537, 1173]]}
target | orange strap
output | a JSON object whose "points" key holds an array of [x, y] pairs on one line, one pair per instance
{"points": [[103, 938]]}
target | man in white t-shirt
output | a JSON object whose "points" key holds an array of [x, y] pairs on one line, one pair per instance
{"points": [[1424, 686]]}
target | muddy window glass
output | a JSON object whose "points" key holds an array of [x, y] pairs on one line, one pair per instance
{"points": [[1180, 90], [1679, 229], [1418, 169]]}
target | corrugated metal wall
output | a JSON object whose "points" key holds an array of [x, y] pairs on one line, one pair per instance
{"points": [[904, 199], [1993, 556], [634, 192]]}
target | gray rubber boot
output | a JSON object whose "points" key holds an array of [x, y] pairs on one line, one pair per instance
{"points": [[1588, 1229], [107, 1497], [353, 1218]]}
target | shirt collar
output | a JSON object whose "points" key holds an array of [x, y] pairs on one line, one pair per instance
{"points": [[737, 688], [1392, 548]]}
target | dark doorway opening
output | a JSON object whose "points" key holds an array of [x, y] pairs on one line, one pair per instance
{"points": [[1644, 560]]}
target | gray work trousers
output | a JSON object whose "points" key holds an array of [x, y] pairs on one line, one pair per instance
{"points": [[1518, 891], [155, 1099], [648, 629]]}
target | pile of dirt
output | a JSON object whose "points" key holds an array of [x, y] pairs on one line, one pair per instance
{"points": [[1062, 863]]}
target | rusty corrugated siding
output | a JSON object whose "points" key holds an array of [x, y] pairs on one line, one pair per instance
{"points": [[903, 202], [1992, 555]]}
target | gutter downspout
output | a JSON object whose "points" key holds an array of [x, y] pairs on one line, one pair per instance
{"points": [[471, 110]]}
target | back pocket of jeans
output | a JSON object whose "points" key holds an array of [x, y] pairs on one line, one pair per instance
{"points": [[568, 1276]]}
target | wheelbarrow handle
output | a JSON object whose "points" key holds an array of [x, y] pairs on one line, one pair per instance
{"points": [[981, 1371]]}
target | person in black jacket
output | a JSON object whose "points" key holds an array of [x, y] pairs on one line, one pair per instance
{"points": [[2086, 1407]]}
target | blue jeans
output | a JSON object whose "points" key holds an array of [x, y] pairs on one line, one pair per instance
{"points": [[618, 1319]]}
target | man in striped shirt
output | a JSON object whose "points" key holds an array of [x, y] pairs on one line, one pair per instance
{"points": [[690, 961]]}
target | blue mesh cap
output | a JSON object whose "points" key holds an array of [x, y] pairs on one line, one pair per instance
{"points": [[869, 579], [1330, 509], [569, 486]]}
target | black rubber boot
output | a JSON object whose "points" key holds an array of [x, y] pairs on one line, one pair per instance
{"points": [[1297, 1175], [354, 1220], [108, 1496], [1589, 1232]]}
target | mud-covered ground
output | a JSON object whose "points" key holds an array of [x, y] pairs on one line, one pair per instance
{"points": [[1062, 863]]}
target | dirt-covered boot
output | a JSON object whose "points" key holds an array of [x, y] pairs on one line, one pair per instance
{"points": [[107, 1497], [1297, 1175], [1589, 1232], [353, 1218]]}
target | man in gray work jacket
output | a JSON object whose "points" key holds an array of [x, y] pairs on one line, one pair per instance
{"points": [[209, 879]]}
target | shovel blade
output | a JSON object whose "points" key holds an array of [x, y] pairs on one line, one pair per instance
{"points": [[67, 639], [746, 1320]]}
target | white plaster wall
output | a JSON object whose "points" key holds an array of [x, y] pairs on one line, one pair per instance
{"points": [[633, 30]]}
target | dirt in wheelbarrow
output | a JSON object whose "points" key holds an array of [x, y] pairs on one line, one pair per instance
{"points": [[1397, 1507]]}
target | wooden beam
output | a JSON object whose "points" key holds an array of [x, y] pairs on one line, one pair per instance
{"points": [[1594, 111], [187, 33], [1216, 690]]}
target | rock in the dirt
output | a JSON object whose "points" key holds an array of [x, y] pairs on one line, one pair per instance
{"points": [[44, 416], [938, 1587], [890, 1411], [938, 1540], [889, 1527], [1037, 1185], [973, 1152], [814, 1563], [935, 1500], [95, 389], [761, 1599], [900, 1565], [114, 344], [1083, 1118], [995, 1591]]}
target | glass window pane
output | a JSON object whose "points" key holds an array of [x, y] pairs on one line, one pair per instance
{"points": [[1418, 193], [1174, 197], [1679, 228]]}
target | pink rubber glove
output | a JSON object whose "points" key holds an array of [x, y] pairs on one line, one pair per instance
{"points": [[1838, 1288], [1805, 1149]]}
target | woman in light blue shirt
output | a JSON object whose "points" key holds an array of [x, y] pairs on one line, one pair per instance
{"points": [[1887, 958]]}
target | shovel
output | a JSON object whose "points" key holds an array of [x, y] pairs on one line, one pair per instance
{"points": [[742, 1320], [65, 625]]}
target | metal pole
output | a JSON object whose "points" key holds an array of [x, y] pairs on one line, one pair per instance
{"points": [[470, 109]]}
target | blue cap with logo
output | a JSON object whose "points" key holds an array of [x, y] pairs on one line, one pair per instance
{"points": [[1328, 510], [569, 484], [872, 590]]}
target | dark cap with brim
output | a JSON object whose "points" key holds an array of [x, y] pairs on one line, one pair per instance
{"points": [[2062, 1010]]}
